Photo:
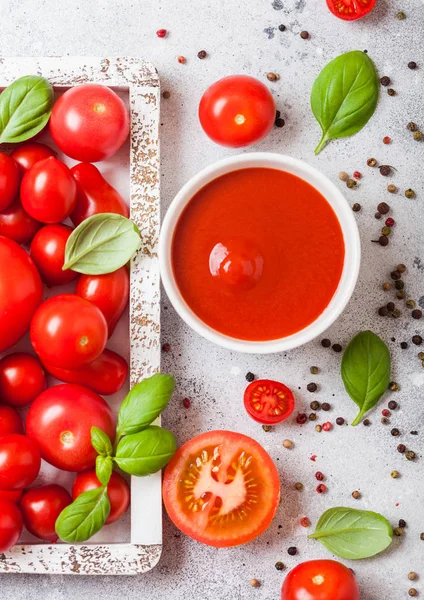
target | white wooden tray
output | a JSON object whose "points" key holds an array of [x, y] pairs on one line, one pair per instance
{"points": [[133, 544]]}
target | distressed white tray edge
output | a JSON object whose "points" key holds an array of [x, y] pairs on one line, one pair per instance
{"points": [[142, 80]]}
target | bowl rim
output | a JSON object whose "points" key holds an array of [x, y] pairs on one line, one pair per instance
{"points": [[344, 215]]}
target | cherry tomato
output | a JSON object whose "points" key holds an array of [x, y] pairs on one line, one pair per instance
{"points": [[10, 525], [10, 421], [27, 154], [48, 252], [237, 111], [268, 402], [9, 180], [60, 422], [320, 580], [21, 291], [221, 488], [105, 375], [350, 10], [118, 492], [11, 495], [20, 461], [68, 332], [48, 191], [89, 122], [95, 194], [40, 508], [22, 379], [16, 224], [110, 293]]}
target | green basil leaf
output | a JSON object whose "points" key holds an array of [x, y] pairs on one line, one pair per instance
{"points": [[25, 107], [344, 96], [352, 534], [101, 442], [146, 452], [101, 244], [366, 371], [144, 403], [104, 468], [83, 518]]}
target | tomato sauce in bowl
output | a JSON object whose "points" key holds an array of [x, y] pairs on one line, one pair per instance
{"points": [[257, 254]]}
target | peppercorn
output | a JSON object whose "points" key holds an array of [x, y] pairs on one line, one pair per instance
{"points": [[161, 33], [385, 81], [412, 592], [387, 139], [401, 448], [319, 476], [356, 207], [411, 304], [410, 455], [412, 576], [321, 488], [314, 370], [367, 422], [298, 486], [279, 566], [412, 65], [356, 495], [182, 60], [351, 183], [395, 275], [337, 347], [166, 347], [394, 474], [304, 35], [416, 313], [255, 583], [402, 523], [412, 126], [325, 343], [390, 306], [421, 355], [386, 230], [288, 444], [166, 95], [400, 295], [186, 403], [327, 426], [315, 405], [421, 536], [326, 406], [387, 286], [377, 215], [357, 174], [391, 92], [271, 76], [403, 345], [391, 188], [392, 405], [267, 428], [396, 313], [398, 531], [250, 376], [280, 122], [301, 418], [312, 387], [292, 550], [305, 522], [340, 421], [312, 417], [399, 284], [401, 268], [343, 176], [385, 412], [410, 193], [385, 421], [418, 136], [394, 386], [400, 15], [318, 428], [383, 208], [282, 27], [202, 54]]}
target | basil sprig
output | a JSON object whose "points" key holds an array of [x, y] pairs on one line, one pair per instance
{"points": [[25, 107], [344, 96], [366, 371], [352, 534], [84, 517], [146, 452], [101, 244]]}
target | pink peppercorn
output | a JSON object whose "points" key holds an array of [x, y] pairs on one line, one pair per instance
{"points": [[357, 175], [161, 33], [313, 457], [321, 488], [166, 347], [390, 222], [182, 60], [387, 140], [385, 412], [319, 476], [305, 522], [301, 418], [327, 426], [186, 403]]}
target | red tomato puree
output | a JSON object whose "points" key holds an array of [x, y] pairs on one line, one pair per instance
{"points": [[258, 254]]}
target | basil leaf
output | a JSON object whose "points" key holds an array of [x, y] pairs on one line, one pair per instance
{"points": [[146, 452], [25, 107], [101, 442], [83, 518], [344, 96], [144, 403], [366, 371], [351, 533], [104, 468], [101, 244]]}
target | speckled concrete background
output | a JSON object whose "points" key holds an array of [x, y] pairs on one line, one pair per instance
{"points": [[243, 37]]}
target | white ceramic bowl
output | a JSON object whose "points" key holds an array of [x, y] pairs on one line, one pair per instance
{"points": [[334, 198]]}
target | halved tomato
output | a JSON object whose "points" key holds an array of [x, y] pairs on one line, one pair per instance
{"points": [[221, 488], [268, 401], [350, 10]]}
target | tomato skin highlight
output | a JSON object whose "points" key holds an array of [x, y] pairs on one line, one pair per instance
{"points": [[68, 332], [48, 252], [9, 180], [237, 111], [95, 195], [89, 122], [40, 507], [109, 292], [20, 461], [105, 375], [10, 525], [22, 379], [29, 153], [10, 421], [350, 10], [21, 291], [16, 224], [320, 580], [118, 492], [274, 401]]}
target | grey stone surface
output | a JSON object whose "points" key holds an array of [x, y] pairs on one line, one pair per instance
{"points": [[244, 37]]}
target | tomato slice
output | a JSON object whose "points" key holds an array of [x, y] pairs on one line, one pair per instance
{"points": [[350, 10], [221, 488], [268, 401]]}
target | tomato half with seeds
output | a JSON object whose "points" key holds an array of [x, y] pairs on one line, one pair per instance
{"points": [[268, 402], [221, 488], [320, 580], [350, 10]]}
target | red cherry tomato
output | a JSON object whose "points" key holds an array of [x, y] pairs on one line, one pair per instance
{"points": [[237, 111], [60, 422], [268, 402], [95, 194], [10, 421], [105, 375], [22, 379], [320, 580], [110, 293], [16, 224], [48, 252], [11, 495], [118, 492], [9, 180], [48, 191], [21, 291], [27, 154], [40, 508], [350, 10], [68, 332], [10, 525], [89, 122], [20, 461]]}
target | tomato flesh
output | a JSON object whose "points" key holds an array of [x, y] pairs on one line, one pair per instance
{"points": [[268, 401], [320, 580], [350, 10], [221, 488]]}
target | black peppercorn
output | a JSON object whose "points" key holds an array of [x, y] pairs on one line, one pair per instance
{"points": [[385, 81], [412, 65], [367, 422], [282, 27], [390, 306], [383, 208], [395, 275], [401, 448], [325, 343], [385, 420], [337, 347], [312, 417], [279, 566], [267, 428], [417, 340], [292, 551], [391, 92], [304, 35], [395, 432], [402, 523], [399, 284], [326, 406], [421, 536], [383, 311], [403, 345], [400, 294], [392, 405], [280, 122], [312, 387], [250, 377], [202, 54], [277, 114], [315, 405], [356, 207], [385, 170], [416, 313], [340, 421]]}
